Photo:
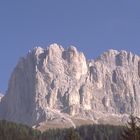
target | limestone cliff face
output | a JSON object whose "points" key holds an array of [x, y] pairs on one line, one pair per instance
{"points": [[57, 83], [1, 95]]}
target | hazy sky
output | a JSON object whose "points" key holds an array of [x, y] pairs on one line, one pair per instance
{"points": [[93, 26]]}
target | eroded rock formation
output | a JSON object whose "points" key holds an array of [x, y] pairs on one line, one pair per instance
{"points": [[61, 84]]}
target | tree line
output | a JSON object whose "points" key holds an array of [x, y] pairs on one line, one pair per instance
{"points": [[13, 131]]}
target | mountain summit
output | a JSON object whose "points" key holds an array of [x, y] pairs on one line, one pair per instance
{"points": [[57, 85]]}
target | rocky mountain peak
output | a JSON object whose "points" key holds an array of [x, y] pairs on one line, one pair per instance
{"points": [[1, 96], [58, 85]]}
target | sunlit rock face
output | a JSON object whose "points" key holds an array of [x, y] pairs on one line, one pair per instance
{"points": [[56, 83], [1, 95]]}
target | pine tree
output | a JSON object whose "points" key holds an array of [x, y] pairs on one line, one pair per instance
{"points": [[131, 130], [72, 135]]}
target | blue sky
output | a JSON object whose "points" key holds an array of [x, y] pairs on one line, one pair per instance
{"points": [[93, 26]]}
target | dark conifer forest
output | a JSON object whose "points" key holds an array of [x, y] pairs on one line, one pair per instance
{"points": [[13, 131]]}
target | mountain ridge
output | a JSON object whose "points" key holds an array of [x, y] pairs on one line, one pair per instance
{"points": [[60, 86], [1, 96]]}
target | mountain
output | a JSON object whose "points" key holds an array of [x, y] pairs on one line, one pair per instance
{"points": [[60, 87], [1, 95]]}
